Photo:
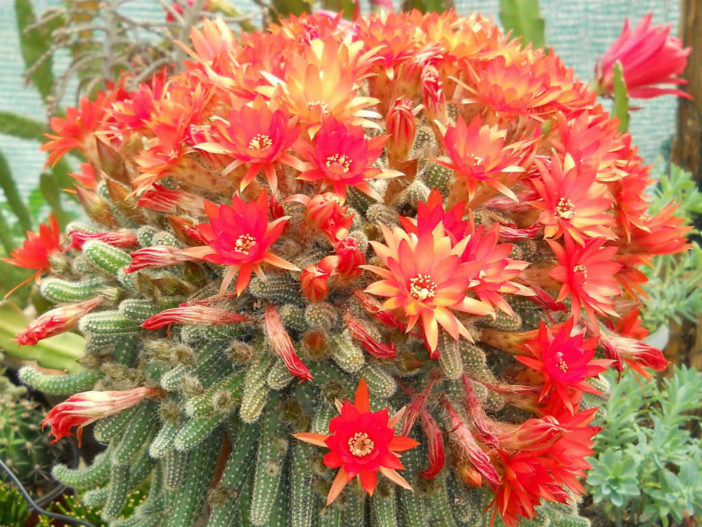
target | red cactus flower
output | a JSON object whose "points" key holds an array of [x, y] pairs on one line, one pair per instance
{"points": [[572, 202], [83, 408], [649, 56], [258, 137], [240, 236], [283, 346], [341, 156], [56, 321], [37, 249], [425, 279], [565, 361], [86, 177], [362, 443], [587, 274], [637, 354], [194, 314], [350, 259]]}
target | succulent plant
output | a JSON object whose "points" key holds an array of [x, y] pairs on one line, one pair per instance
{"points": [[410, 212], [23, 446]]}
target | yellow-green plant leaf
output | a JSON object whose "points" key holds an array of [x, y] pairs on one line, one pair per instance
{"points": [[14, 200], [21, 126], [621, 98], [523, 19], [34, 45]]}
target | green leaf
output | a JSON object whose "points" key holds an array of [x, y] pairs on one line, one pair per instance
{"points": [[345, 6], [34, 45], [291, 7], [60, 352], [5, 236], [52, 194], [522, 17], [427, 6], [621, 98], [20, 126], [12, 194]]}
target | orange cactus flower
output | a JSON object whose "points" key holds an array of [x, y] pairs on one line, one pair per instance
{"points": [[425, 280], [565, 361], [256, 136], [77, 128], [362, 443], [478, 154], [84, 408], [341, 156], [587, 274], [37, 250], [573, 204], [240, 236]]}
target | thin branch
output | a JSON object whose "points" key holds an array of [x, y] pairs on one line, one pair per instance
{"points": [[190, 18], [146, 72]]}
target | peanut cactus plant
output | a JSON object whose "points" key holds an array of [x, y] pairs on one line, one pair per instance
{"points": [[347, 274]]}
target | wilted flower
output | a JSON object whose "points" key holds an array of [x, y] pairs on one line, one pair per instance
{"points": [[56, 321], [283, 346]]}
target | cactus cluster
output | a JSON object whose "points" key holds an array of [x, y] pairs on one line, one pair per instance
{"points": [[23, 446], [415, 201]]}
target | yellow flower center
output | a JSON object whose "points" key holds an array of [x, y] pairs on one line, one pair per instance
{"points": [[340, 160], [360, 445], [244, 243], [562, 364], [260, 142], [565, 209], [581, 269], [422, 287], [318, 104]]}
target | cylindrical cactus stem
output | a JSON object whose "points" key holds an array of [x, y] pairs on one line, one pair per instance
{"points": [[199, 473], [279, 288], [354, 512], [278, 376], [412, 503], [270, 460], [321, 316], [207, 403], [141, 426], [138, 309], [450, 359], [105, 257], [107, 323], [303, 497], [438, 501], [93, 476], [437, 176], [359, 200], [145, 235], [255, 389], [195, 430], [61, 291], [110, 428], [281, 507], [117, 492], [345, 353], [175, 468], [383, 507], [380, 383], [293, 317], [60, 384], [164, 440], [330, 516]]}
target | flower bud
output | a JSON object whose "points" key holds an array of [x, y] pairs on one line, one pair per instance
{"points": [[401, 126]]}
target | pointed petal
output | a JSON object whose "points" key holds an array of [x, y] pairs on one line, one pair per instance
{"points": [[312, 439], [393, 476], [362, 400], [339, 483]]}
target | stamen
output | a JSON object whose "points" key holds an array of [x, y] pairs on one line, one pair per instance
{"points": [[341, 160], [244, 243], [581, 269], [565, 209], [360, 445], [422, 287], [260, 142]]}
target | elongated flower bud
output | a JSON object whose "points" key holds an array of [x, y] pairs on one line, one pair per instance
{"points": [[372, 346], [83, 408], [122, 239], [401, 126], [194, 314], [56, 321], [283, 346], [156, 257]]}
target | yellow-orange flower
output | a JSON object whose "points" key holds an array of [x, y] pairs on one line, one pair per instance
{"points": [[425, 280]]}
